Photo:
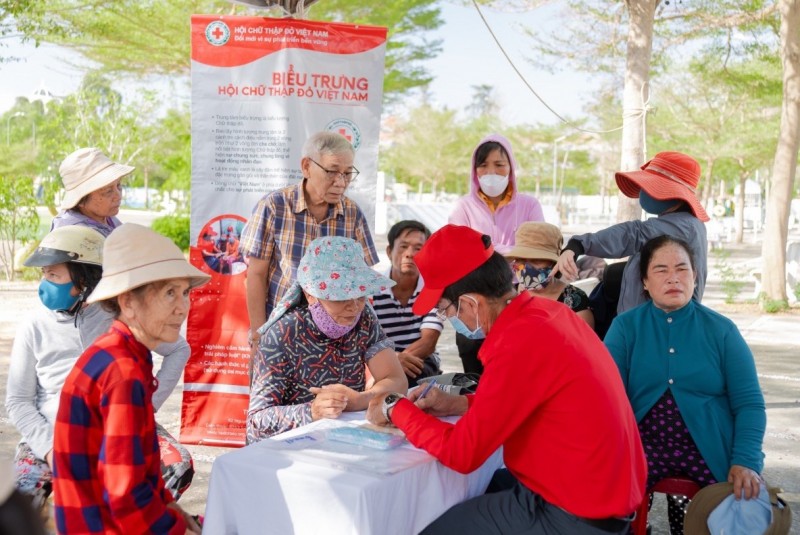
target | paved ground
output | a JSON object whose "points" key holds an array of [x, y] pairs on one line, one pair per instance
{"points": [[774, 339]]}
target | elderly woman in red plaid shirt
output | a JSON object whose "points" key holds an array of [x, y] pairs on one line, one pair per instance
{"points": [[107, 475]]}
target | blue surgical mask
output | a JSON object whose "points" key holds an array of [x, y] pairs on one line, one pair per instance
{"points": [[531, 277], [461, 328], [654, 206], [57, 296]]}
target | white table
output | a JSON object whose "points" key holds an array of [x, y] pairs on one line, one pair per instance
{"points": [[269, 487]]}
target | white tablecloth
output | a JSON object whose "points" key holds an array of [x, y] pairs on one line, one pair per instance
{"points": [[264, 488]]}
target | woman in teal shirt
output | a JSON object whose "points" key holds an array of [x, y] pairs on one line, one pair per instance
{"points": [[691, 381]]}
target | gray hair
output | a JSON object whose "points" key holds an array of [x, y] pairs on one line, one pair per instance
{"points": [[326, 143]]}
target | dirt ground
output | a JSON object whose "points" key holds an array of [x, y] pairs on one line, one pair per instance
{"points": [[774, 339]]}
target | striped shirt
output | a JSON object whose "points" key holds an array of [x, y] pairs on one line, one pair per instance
{"points": [[107, 476], [399, 323], [281, 227]]}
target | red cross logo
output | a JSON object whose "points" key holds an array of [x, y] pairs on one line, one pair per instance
{"points": [[217, 33], [343, 132]]}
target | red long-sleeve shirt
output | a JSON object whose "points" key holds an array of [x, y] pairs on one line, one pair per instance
{"points": [[107, 476], [552, 396]]}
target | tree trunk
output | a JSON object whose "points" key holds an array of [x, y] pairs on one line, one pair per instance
{"points": [[773, 250], [739, 207], [637, 76]]}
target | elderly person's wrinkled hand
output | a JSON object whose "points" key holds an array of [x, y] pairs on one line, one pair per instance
{"points": [[355, 399], [328, 403], [438, 403], [566, 266], [746, 482], [375, 412], [411, 364]]}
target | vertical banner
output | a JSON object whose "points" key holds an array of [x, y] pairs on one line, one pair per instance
{"points": [[260, 88]]}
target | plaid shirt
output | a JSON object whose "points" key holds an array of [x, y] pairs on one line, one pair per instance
{"points": [[107, 476], [281, 227]]}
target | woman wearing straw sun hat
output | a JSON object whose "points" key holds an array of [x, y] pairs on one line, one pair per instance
{"points": [[667, 187], [532, 259], [51, 339], [92, 190], [319, 339], [107, 473]]}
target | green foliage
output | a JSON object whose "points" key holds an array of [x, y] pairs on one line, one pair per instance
{"points": [[146, 38], [732, 284], [772, 306], [406, 49], [175, 228], [19, 221]]}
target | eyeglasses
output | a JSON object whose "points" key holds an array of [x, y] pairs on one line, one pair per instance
{"points": [[441, 313], [347, 176]]}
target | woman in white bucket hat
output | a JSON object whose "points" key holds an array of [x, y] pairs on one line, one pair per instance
{"points": [[92, 190], [50, 340], [107, 473]]}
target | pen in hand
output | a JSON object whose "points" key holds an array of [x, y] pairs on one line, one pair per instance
{"points": [[427, 389]]}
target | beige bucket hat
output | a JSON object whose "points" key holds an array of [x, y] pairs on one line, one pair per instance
{"points": [[134, 255], [536, 240], [87, 170]]}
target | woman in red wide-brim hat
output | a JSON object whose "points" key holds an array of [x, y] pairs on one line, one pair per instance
{"points": [[666, 186]]}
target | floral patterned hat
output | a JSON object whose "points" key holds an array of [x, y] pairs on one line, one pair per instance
{"points": [[332, 268]]}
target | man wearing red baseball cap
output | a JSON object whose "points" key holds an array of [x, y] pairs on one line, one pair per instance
{"points": [[550, 395]]}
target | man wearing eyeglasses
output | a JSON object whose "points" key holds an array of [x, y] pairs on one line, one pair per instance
{"points": [[285, 221]]}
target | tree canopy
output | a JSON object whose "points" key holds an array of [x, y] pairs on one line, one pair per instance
{"points": [[144, 38]]}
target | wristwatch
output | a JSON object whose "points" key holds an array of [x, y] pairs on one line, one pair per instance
{"points": [[388, 402]]}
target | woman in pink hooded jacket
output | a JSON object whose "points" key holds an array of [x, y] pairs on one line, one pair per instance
{"points": [[494, 207]]}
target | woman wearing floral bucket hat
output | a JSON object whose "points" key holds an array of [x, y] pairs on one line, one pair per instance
{"points": [[311, 357], [92, 190], [666, 186], [107, 475]]}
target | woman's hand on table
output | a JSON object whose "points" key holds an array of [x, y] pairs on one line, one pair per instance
{"points": [[745, 481], [438, 403], [328, 403]]}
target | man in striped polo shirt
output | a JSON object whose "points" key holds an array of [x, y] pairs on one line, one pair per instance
{"points": [[414, 336]]}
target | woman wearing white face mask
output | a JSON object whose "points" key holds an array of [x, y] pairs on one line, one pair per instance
{"points": [[493, 207]]}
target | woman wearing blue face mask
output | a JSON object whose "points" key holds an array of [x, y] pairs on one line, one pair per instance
{"points": [[532, 259], [49, 342], [666, 186]]}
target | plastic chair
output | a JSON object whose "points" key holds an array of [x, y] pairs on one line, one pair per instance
{"points": [[669, 485]]}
